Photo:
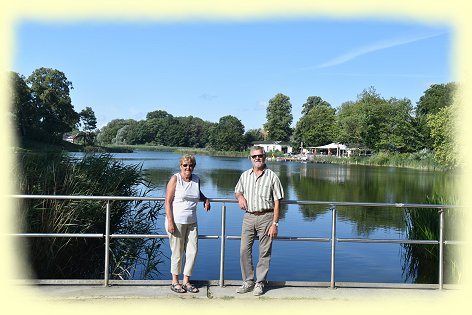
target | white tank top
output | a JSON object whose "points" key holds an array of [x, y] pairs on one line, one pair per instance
{"points": [[186, 198]]}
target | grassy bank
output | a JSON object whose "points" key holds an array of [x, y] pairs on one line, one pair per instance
{"points": [[423, 160], [417, 160]]}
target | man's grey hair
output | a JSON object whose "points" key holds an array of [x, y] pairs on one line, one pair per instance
{"points": [[257, 148]]}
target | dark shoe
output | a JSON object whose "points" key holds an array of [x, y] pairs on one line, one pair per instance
{"points": [[176, 287], [190, 288]]}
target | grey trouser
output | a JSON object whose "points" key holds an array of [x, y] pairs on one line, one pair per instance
{"points": [[184, 239], [255, 225]]}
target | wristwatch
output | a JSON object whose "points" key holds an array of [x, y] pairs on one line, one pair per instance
{"points": [[275, 223]]}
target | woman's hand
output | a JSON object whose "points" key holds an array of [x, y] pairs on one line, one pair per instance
{"points": [[170, 227], [206, 204]]}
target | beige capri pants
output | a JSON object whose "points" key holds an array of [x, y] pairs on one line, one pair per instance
{"points": [[183, 241]]}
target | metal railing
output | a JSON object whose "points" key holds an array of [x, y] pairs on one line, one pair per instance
{"points": [[223, 237]]}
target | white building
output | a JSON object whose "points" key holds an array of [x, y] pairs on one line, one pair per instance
{"points": [[268, 146]]}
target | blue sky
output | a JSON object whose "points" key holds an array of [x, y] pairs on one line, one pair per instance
{"points": [[210, 69]]}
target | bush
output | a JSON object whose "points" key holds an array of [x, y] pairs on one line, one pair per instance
{"points": [[94, 175]]}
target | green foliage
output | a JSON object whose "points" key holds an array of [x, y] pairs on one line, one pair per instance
{"points": [[350, 123], [444, 135], [311, 102], [227, 135], [317, 126], [88, 121], [253, 135], [160, 128], [378, 123], [279, 118], [51, 94], [25, 115], [94, 175], [42, 110], [107, 134], [436, 97]]}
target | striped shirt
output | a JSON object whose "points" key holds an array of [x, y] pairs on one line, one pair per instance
{"points": [[260, 192]]}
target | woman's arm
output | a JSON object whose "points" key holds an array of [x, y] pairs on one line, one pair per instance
{"points": [[170, 193]]}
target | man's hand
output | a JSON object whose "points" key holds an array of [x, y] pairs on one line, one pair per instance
{"points": [[242, 203], [273, 231]]}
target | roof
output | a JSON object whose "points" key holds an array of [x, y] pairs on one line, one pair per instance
{"points": [[271, 142], [332, 146]]}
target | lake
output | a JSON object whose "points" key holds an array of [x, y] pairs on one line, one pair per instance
{"points": [[300, 260]]}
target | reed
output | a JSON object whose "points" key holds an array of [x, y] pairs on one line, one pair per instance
{"points": [[421, 262], [53, 173]]}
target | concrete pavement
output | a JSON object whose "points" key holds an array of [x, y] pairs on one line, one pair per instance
{"points": [[228, 292]]}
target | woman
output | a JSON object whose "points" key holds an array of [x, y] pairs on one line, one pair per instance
{"points": [[182, 196]]}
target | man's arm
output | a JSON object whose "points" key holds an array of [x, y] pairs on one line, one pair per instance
{"points": [[273, 230], [241, 200]]}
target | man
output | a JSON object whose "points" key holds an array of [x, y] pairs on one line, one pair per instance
{"points": [[259, 192]]}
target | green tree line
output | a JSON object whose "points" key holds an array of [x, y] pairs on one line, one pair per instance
{"points": [[42, 109]]}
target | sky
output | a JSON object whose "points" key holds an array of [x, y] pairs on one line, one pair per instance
{"points": [[210, 69]]}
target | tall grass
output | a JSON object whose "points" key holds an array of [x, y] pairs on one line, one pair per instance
{"points": [[423, 160], [421, 262], [54, 173]]}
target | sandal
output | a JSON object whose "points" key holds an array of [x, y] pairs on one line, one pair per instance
{"points": [[176, 289], [190, 288]]}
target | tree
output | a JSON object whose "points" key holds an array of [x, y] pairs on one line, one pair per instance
{"points": [[253, 135], [108, 133], [158, 114], [436, 97], [377, 123], [350, 123], [196, 131], [227, 134], [50, 90], [25, 114], [317, 126], [311, 102], [397, 132], [279, 118], [444, 135], [88, 122]]}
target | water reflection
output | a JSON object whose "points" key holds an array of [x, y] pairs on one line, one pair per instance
{"points": [[308, 181]]}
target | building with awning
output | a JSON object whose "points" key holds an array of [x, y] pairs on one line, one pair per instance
{"points": [[337, 149]]}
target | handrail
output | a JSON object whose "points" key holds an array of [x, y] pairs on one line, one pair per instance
{"points": [[333, 239]]}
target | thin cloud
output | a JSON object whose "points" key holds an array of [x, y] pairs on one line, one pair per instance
{"points": [[262, 105], [399, 75], [369, 49], [207, 97]]}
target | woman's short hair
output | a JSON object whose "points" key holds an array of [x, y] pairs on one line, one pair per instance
{"points": [[188, 157]]}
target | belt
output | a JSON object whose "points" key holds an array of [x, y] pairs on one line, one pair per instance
{"points": [[260, 212]]}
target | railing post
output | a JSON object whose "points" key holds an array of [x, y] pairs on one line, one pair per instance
{"points": [[333, 246], [441, 248], [107, 244], [222, 244]]}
